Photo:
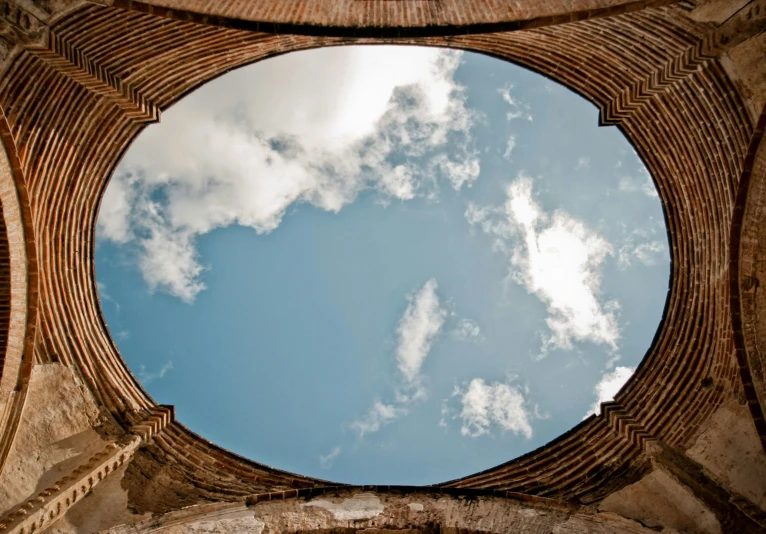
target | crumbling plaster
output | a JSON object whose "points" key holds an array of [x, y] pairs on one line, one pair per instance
{"points": [[658, 500], [102, 508], [359, 509], [56, 433], [746, 66], [730, 451]]}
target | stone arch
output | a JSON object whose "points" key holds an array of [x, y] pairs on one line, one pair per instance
{"points": [[372, 18], [106, 72], [18, 294], [389, 509], [748, 275]]}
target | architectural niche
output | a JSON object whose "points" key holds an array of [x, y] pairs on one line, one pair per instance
{"points": [[682, 448]]}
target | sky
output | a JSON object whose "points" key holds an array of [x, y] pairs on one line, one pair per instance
{"points": [[381, 264]]}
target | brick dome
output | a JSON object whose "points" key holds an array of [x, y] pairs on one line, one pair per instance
{"points": [[685, 82]]}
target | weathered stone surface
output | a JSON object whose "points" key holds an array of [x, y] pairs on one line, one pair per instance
{"points": [[385, 17], [658, 500], [716, 11], [361, 510], [56, 434], [105, 506], [746, 66], [731, 453]]}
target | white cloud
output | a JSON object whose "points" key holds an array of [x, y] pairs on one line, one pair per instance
{"points": [[557, 258], [642, 184], [467, 330], [649, 253], [484, 216], [399, 183], [238, 151], [609, 385], [380, 414], [421, 322], [583, 163], [169, 260], [147, 377], [518, 109], [498, 405], [328, 460], [105, 296], [419, 326], [459, 173], [644, 245], [509, 147], [114, 213], [445, 414]]}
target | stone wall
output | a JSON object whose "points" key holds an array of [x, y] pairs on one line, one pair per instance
{"points": [[374, 509], [681, 448], [56, 435]]}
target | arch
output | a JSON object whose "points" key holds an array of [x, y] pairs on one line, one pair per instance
{"points": [[382, 19], [748, 276], [389, 509], [647, 70], [18, 291]]}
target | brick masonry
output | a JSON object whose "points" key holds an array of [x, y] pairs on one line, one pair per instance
{"points": [[75, 97]]}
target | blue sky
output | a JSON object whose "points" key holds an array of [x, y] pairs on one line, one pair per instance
{"points": [[382, 264]]}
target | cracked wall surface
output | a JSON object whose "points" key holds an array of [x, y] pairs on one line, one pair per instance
{"points": [[359, 509], [57, 434]]}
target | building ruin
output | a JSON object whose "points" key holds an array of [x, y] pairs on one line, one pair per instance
{"points": [[682, 448]]}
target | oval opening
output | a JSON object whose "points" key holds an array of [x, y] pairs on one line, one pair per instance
{"points": [[382, 265]]}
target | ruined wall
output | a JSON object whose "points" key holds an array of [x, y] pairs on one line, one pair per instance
{"points": [[744, 63], [680, 449], [57, 434], [19, 296], [729, 450], [658, 500], [374, 509], [61, 429], [106, 506], [383, 18]]}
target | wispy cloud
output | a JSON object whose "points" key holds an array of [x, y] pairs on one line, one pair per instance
{"points": [[380, 414], [421, 322], [239, 153], [609, 385], [419, 326], [499, 405], [559, 259], [147, 377], [458, 172], [169, 258], [645, 245], [517, 109], [106, 296], [328, 460], [467, 330], [509, 147], [114, 220], [583, 163], [641, 184], [648, 252], [446, 413]]}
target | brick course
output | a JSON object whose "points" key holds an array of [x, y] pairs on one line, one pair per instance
{"points": [[74, 104]]}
